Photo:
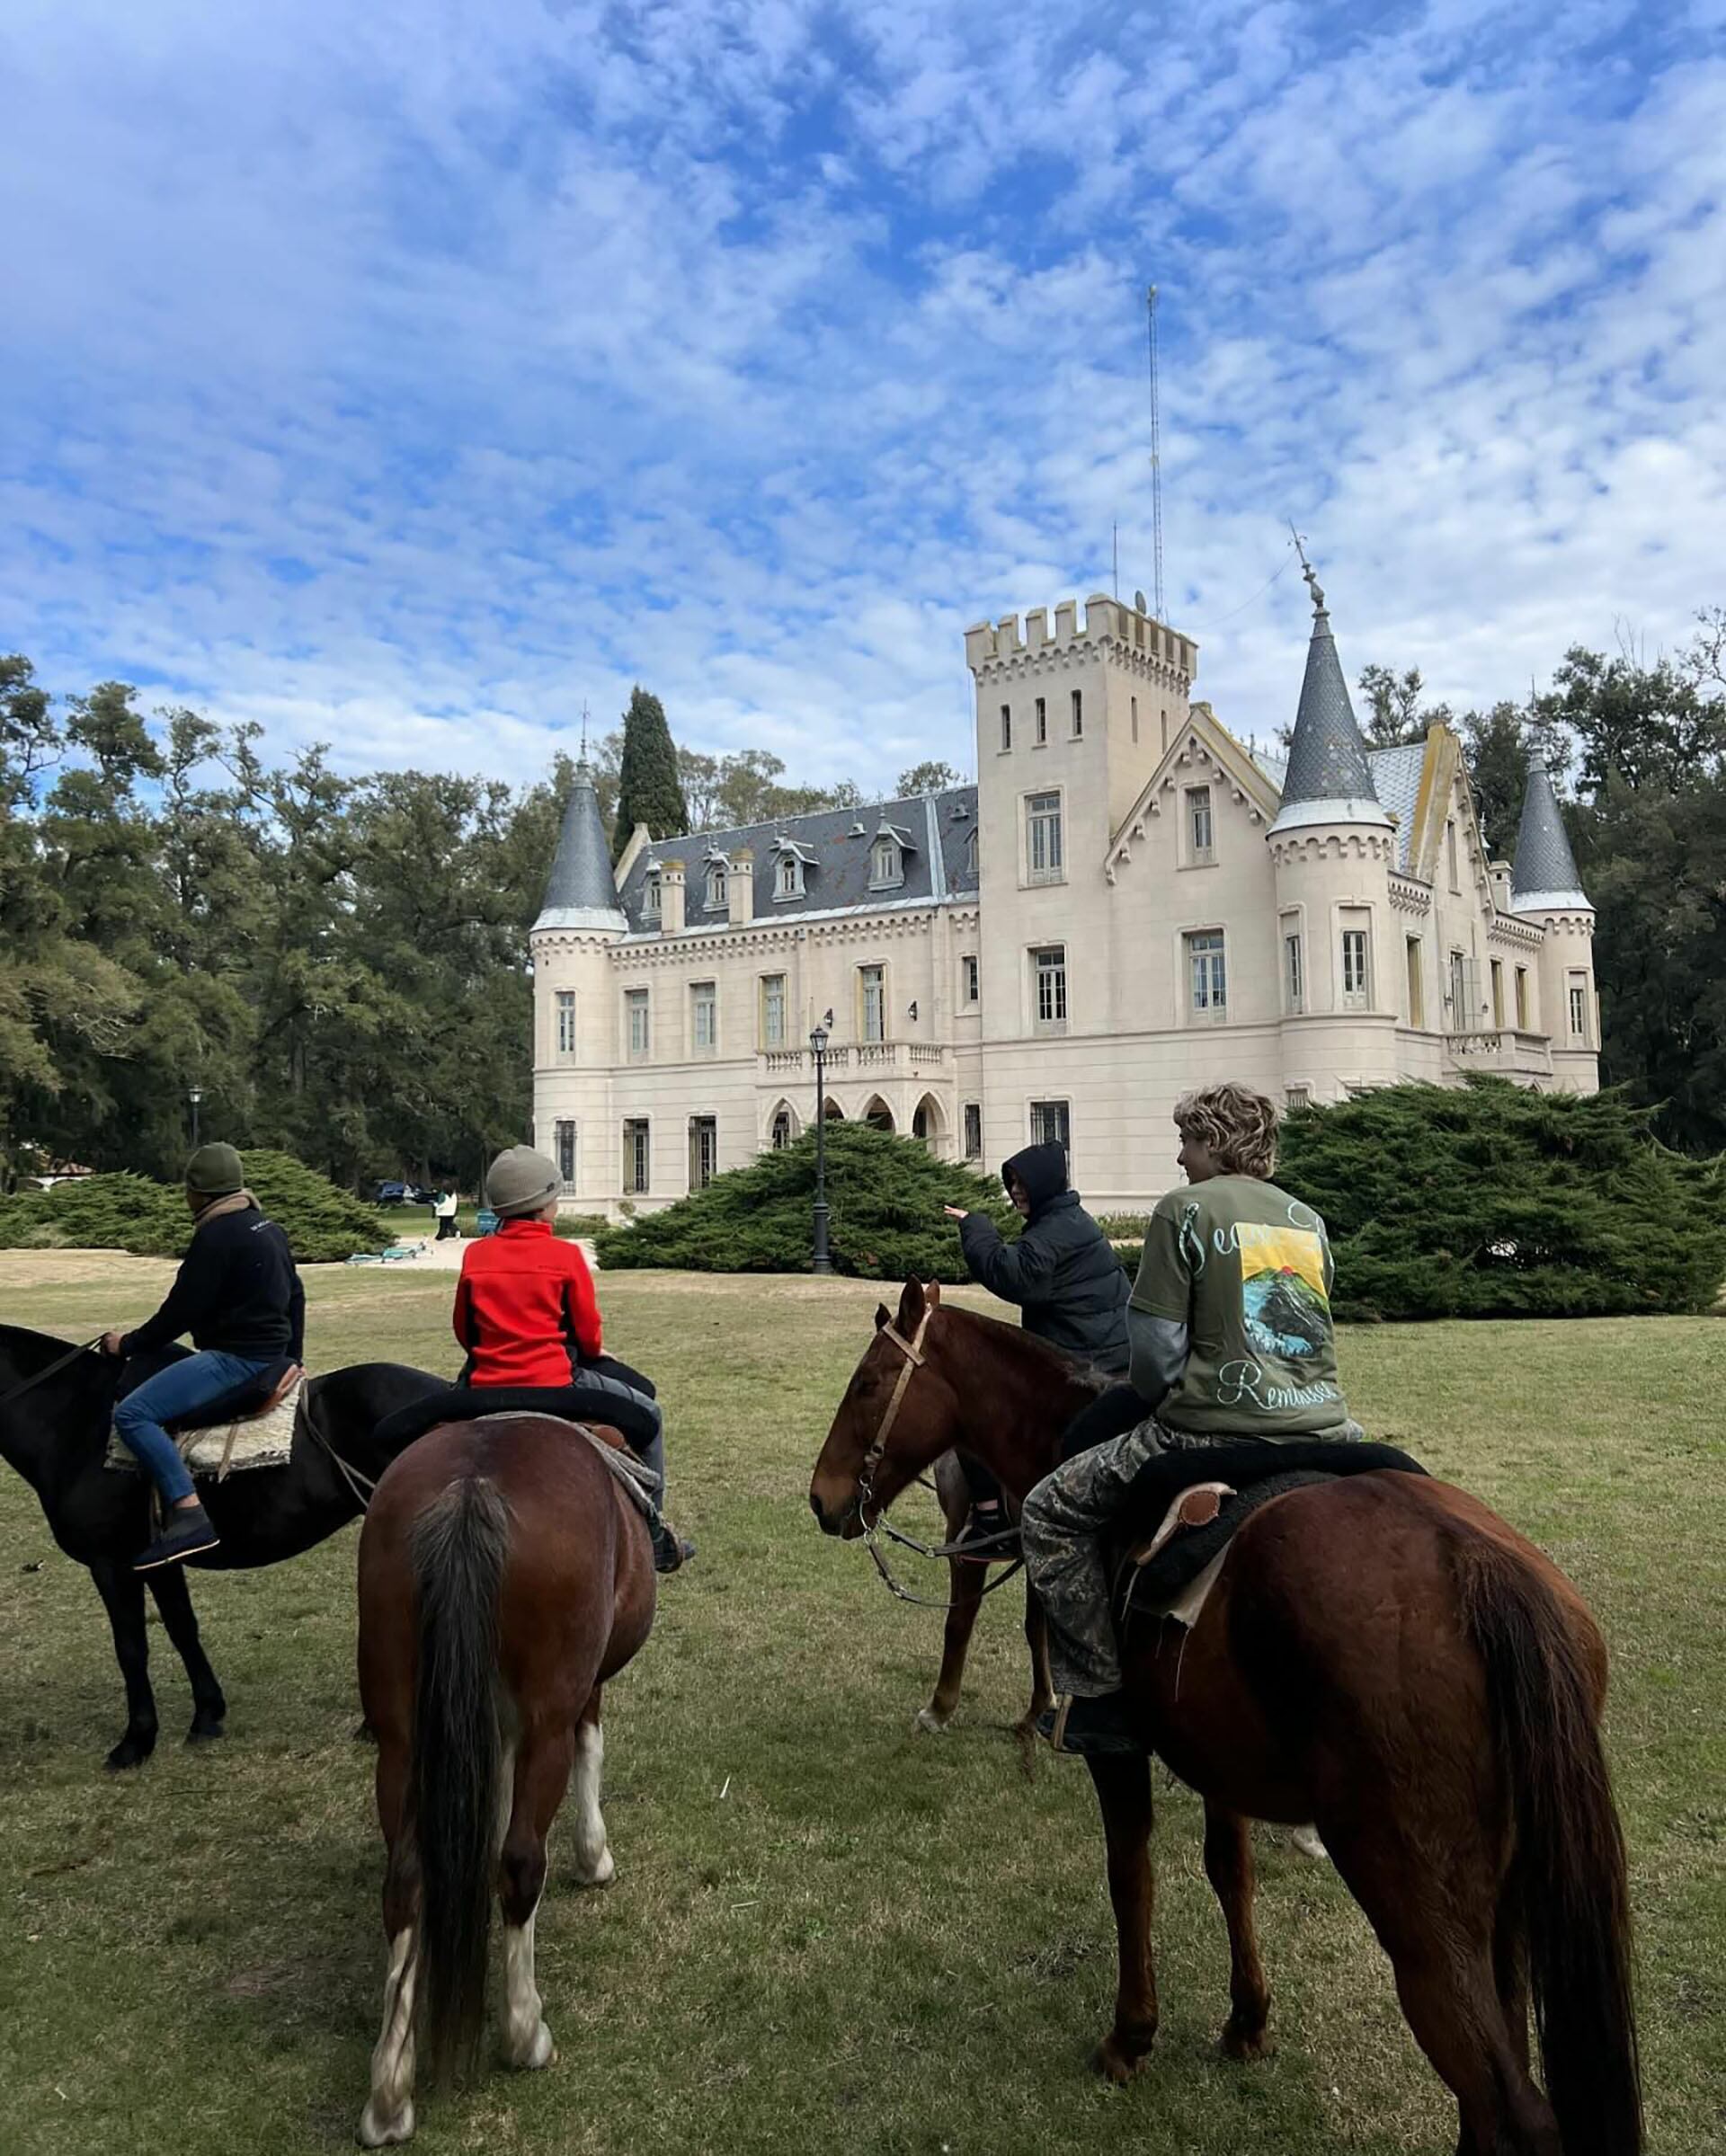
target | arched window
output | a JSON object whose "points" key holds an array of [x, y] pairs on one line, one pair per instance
{"points": [[782, 1132], [717, 884], [971, 855]]}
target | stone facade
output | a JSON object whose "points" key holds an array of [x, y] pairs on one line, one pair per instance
{"points": [[1129, 902]]}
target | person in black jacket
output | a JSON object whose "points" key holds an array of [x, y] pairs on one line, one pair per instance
{"points": [[1071, 1287], [239, 1297]]}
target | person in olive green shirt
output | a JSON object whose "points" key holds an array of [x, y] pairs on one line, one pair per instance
{"points": [[1231, 1336]]}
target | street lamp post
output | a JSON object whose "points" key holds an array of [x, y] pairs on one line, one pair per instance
{"points": [[820, 1261], [194, 1094]]}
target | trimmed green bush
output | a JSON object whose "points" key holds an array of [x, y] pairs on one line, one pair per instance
{"points": [[1490, 1200], [149, 1219], [885, 1195]]}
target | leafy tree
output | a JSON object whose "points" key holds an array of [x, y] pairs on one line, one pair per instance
{"points": [[1490, 1200], [1393, 715], [648, 791], [1495, 748], [929, 777], [885, 1193], [1651, 726]]}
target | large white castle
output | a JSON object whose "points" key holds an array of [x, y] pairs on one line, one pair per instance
{"points": [[1128, 903]]}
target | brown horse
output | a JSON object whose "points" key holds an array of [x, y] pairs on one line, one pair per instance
{"points": [[1381, 1654], [505, 1574]]}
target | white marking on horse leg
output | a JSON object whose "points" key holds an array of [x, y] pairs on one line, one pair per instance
{"points": [[930, 1722], [388, 2114], [526, 2040], [594, 1866]]}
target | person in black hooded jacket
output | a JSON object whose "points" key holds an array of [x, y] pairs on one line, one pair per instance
{"points": [[1071, 1287]]}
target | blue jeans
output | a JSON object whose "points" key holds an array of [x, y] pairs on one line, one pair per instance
{"points": [[180, 1389]]}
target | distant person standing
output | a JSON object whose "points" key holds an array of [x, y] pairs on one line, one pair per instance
{"points": [[444, 1211]]}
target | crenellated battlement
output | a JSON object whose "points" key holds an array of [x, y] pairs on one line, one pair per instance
{"points": [[1129, 629]]}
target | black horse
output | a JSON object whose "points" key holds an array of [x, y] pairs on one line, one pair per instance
{"points": [[55, 1432]]}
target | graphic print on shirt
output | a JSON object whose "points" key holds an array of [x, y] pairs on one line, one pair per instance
{"points": [[1283, 1303]]}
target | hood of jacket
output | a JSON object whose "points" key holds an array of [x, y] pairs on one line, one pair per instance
{"points": [[1041, 1173]]}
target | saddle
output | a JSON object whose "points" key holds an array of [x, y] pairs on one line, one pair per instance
{"points": [[1184, 1508], [251, 1426], [596, 1398]]}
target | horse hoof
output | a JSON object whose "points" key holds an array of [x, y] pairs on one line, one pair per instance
{"points": [[930, 1723], [1306, 1839], [376, 2132], [1115, 2063], [205, 1732], [365, 1734], [131, 1751], [597, 1875], [1242, 2045]]}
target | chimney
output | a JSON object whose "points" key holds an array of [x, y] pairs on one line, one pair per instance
{"points": [[1499, 872], [670, 898], [740, 887]]}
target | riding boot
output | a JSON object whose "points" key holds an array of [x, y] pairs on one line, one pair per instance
{"points": [[1093, 1727], [671, 1551], [187, 1533]]}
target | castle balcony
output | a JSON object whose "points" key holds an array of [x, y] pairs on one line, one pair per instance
{"points": [[857, 1059], [1502, 1050]]}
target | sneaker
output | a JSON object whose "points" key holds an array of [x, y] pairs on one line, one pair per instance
{"points": [[671, 1551], [188, 1534], [1091, 1728]]}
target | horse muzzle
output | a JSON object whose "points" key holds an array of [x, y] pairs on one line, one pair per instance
{"points": [[844, 1520]]}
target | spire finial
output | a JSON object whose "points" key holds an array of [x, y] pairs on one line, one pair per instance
{"points": [[1308, 571], [583, 730]]}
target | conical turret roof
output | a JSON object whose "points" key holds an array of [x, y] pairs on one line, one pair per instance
{"points": [[581, 892], [1329, 779], [1543, 877]]}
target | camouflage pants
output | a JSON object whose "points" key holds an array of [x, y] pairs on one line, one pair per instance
{"points": [[1062, 1528]]}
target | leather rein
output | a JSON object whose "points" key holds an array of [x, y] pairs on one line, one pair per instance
{"points": [[52, 1370], [873, 1530]]}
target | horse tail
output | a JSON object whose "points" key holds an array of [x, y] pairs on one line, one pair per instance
{"points": [[459, 1545], [1568, 1884]]}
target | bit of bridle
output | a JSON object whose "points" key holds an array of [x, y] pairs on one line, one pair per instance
{"points": [[976, 1551]]}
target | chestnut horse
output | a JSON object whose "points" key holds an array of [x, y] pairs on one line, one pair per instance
{"points": [[1379, 1655], [504, 1576]]}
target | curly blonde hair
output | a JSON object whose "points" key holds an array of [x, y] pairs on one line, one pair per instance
{"points": [[1238, 1124]]}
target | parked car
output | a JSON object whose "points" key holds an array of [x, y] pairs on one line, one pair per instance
{"points": [[403, 1193]]}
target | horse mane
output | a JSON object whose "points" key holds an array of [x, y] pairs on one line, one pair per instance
{"points": [[1014, 1340]]}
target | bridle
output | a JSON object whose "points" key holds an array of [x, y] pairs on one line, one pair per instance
{"points": [[52, 1370], [912, 1349]]}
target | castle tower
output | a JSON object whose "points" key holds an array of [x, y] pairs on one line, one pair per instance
{"points": [[1332, 849], [1544, 887], [575, 1022]]}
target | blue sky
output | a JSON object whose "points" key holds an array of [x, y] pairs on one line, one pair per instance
{"points": [[402, 376]]}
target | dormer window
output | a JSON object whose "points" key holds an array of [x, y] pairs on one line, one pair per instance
{"points": [[717, 884], [790, 858], [887, 857], [790, 883], [650, 895], [971, 856]]}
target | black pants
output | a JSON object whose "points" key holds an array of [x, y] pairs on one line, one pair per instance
{"points": [[1112, 1414], [446, 1226]]}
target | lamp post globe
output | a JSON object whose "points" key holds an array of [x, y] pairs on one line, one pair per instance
{"points": [[194, 1095], [820, 1261]]}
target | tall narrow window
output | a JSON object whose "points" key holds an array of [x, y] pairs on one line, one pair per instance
{"points": [[971, 978], [1416, 998], [1078, 712], [718, 884], [788, 883], [885, 865], [650, 891], [872, 997], [1522, 1000], [773, 1010], [704, 1018], [971, 856], [1006, 726], [565, 1137], [1207, 974], [974, 1129], [565, 1022], [1135, 721], [1042, 722], [1450, 855], [1043, 839], [1498, 991], [637, 1160], [704, 1150], [1354, 969], [1201, 832], [1050, 965], [635, 1004], [1294, 972], [1050, 1123], [1459, 1013], [1578, 1007], [781, 1128]]}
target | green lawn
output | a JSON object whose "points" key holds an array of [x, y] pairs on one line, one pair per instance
{"points": [[825, 1932]]}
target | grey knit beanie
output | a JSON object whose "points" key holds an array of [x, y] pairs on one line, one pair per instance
{"points": [[521, 1181], [214, 1171]]}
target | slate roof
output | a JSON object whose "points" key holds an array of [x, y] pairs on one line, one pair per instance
{"points": [[1326, 759], [1396, 781], [581, 892], [837, 847], [1544, 871]]}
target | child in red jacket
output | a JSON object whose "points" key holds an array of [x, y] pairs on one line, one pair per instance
{"points": [[526, 1311]]}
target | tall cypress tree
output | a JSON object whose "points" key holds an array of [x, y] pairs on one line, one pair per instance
{"points": [[648, 790]]}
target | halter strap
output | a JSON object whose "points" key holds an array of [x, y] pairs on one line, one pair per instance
{"points": [[915, 1359]]}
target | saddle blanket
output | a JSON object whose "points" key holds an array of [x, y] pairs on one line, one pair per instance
{"points": [[256, 1441]]}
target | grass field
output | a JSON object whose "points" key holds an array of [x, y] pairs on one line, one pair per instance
{"points": [[826, 1932]]}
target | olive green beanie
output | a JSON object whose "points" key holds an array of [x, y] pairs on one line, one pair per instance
{"points": [[214, 1171], [521, 1181]]}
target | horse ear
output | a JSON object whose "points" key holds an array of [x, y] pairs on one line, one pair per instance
{"points": [[911, 1306], [933, 1291], [881, 1315]]}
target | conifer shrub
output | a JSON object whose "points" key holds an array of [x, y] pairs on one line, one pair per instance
{"points": [[129, 1213], [885, 1194], [1492, 1200]]}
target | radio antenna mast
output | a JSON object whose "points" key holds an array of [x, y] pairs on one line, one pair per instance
{"points": [[1156, 445]]}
